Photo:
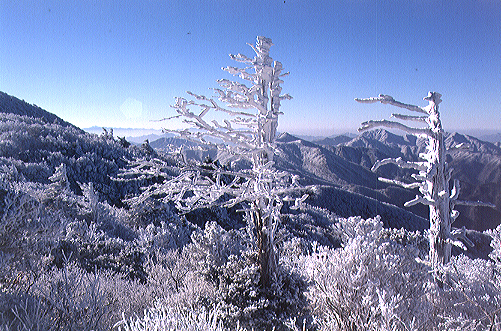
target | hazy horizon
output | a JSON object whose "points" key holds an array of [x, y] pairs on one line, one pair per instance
{"points": [[485, 134]]}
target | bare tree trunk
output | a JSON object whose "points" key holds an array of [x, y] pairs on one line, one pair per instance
{"points": [[266, 248]]}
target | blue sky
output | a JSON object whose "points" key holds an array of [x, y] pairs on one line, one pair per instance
{"points": [[121, 63]]}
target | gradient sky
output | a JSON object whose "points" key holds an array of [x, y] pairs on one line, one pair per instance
{"points": [[121, 63]]}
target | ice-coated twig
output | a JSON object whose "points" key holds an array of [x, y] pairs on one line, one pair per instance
{"points": [[393, 125], [399, 183], [424, 200], [422, 166], [421, 119], [386, 99]]}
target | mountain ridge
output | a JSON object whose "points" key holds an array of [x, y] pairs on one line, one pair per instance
{"points": [[12, 105]]}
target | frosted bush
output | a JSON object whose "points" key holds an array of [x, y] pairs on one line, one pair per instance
{"points": [[475, 291], [167, 318], [19, 208], [72, 299], [36, 148], [371, 283], [224, 271], [27, 229], [66, 299], [495, 255], [26, 314], [175, 280], [170, 235]]}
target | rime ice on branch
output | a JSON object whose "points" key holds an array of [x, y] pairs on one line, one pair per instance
{"points": [[251, 129], [249, 133], [433, 177]]}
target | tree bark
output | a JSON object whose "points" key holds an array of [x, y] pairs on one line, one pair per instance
{"points": [[266, 249]]}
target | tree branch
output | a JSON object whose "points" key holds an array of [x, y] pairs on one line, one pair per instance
{"points": [[399, 183], [423, 200], [421, 166], [421, 119], [395, 125], [386, 99]]}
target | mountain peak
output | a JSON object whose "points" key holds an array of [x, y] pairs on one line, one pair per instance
{"points": [[286, 138], [334, 141]]}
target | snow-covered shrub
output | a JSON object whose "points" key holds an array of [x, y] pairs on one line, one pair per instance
{"points": [[74, 297], [64, 299], [474, 288], [27, 229], [70, 298], [168, 318], [19, 208], [495, 255], [92, 246], [219, 270], [175, 281], [227, 260], [311, 224], [89, 204], [36, 148], [371, 283], [166, 236]]}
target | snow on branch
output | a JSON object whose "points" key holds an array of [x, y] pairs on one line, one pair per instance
{"points": [[458, 236], [393, 125], [424, 200], [410, 118], [422, 166], [399, 183], [386, 99]]}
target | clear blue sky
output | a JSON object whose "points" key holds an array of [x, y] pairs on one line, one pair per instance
{"points": [[121, 63]]}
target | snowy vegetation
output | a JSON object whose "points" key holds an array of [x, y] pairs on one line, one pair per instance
{"points": [[91, 239]]}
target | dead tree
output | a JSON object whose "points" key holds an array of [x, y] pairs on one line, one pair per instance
{"points": [[433, 177]]}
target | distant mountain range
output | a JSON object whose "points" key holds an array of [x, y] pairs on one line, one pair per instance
{"points": [[340, 165], [347, 165], [133, 135]]}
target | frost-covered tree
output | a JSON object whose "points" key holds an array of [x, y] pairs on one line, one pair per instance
{"points": [[59, 188], [249, 134], [433, 177]]}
